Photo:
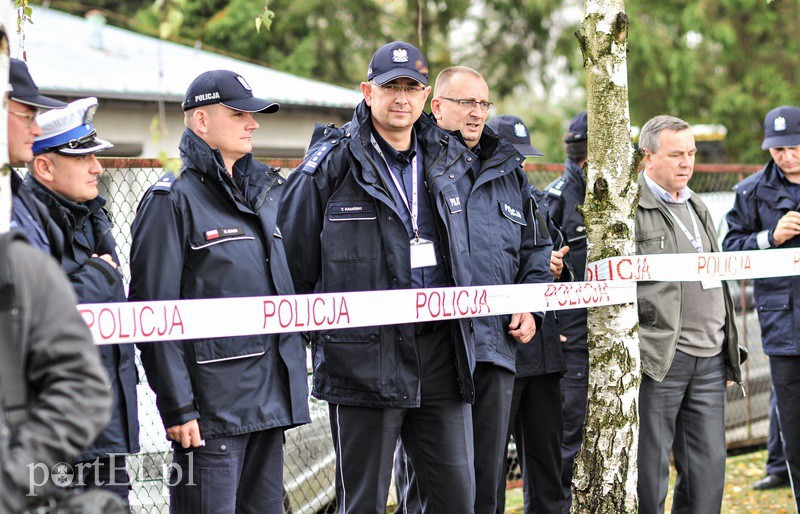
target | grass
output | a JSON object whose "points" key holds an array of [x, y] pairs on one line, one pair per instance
{"points": [[741, 472]]}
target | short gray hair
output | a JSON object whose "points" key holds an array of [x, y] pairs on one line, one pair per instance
{"points": [[648, 138]]}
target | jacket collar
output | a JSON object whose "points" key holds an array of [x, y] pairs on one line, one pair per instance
{"points": [[55, 202], [574, 173], [197, 155]]}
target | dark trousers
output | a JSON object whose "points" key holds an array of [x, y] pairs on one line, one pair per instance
{"points": [[786, 384], [776, 460], [437, 437], [240, 474], [575, 391], [493, 392], [684, 413], [536, 423], [109, 473]]}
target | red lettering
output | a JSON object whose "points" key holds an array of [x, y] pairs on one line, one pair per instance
{"points": [[177, 321], [462, 310], [620, 273], [344, 312], [318, 321], [88, 317], [281, 311], [105, 333], [421, 301], [123, 335], [141, 321], [269, 311], [438, 306]]}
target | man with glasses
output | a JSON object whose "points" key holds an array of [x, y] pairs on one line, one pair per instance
{"points": [[65, 175], [27, 214], [375, 206], [509, 244]]}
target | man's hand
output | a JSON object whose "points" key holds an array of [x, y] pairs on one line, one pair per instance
{"points": [[557, 262], [788, 227], [186, 435], [522, 327], [106, 257]]}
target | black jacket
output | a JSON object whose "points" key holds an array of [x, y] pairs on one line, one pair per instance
{"points": [[564, 196], [175, 256], [508, 238], [344, 233], [761, 200], [86, 229]]}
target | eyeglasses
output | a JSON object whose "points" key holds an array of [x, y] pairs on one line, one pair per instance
{"points": [[470, 104], [396, 89], [31, 117]]}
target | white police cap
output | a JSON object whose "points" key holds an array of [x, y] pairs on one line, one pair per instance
{"points": [[69, 131]]}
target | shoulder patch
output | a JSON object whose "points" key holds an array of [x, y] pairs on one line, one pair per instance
{"points": [[164, 184], [556, 187], [323, 140]]}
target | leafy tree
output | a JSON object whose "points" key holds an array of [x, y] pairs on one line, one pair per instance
{"points": [[715, 61]]}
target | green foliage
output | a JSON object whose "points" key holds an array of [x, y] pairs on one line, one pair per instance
{"points": [[715, 61]]}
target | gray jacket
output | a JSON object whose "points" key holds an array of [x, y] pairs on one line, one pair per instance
{"points": [[55, 391], [660, 302]]}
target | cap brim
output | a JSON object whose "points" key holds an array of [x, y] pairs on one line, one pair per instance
{"points": [[527, 150], [252, 105], [40, 102], [397, 73], [786, 141], [90, 147]]}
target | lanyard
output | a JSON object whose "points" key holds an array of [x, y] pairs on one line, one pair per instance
{"points": [[413, 209], [696, 241]]}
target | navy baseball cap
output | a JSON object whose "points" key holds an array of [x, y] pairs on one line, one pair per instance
{"points": [[514, 130], [782, 127], [578, 128], [227, 88], [24, 90], [70, 131], [396, 60]]}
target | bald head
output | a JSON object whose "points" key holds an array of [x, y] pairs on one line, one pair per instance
{"points": [[444, 80]]}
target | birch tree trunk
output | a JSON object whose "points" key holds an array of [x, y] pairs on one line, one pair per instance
{"points": [[5, 180], [606, 473]]}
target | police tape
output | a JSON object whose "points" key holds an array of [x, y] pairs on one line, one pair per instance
{"points": [[137, 322], [611, 281]]}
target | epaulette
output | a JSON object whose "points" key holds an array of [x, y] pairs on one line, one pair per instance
{"points": [[323, 140], [555, 188], [164, 184]]}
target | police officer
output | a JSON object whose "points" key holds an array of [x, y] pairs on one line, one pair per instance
{"points": [[375, 206], [564, 196], [211, 233], [64, 176], [766, 215], [508, 244], [535, 417], [28, 215]]}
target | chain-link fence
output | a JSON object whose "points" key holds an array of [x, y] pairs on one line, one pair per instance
{"points": [[309, 455]]}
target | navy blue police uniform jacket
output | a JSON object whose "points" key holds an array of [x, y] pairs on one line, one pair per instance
{"points": [[343, 232], [508, 238], [85, 229], [563, 197], [203, 236], [543, 354], [761, 200]]}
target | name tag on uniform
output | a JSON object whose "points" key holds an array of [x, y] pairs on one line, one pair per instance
{"points": [[423, 253], [711, 283]]}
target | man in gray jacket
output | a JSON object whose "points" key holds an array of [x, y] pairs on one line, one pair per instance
{"points": [[687, 335], [55, 395]]}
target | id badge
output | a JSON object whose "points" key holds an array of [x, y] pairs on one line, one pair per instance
{"points": [[710, 283], [423, 253]]}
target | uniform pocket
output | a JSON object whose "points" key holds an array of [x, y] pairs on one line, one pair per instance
{"points": [[352, 358], [775, 320]]}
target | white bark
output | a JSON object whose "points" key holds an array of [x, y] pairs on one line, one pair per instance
{"points": [[5, 181], [605, 474]]}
